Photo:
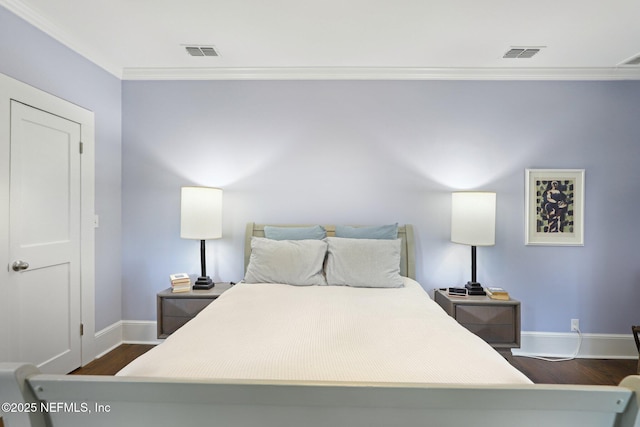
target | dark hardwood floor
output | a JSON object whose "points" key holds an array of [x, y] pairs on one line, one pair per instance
{"points": [[578, 371], [112, 362]]}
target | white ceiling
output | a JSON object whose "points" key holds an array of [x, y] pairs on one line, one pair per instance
{"points": [[410, 39]]}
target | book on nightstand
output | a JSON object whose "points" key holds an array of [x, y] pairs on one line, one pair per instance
{"points": [[497, 293], [180, 282], [180, 288]]}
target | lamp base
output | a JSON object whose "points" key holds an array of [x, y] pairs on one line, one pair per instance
{"points": [[203, 282], [474, 288]]}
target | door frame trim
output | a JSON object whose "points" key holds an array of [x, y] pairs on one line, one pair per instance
{"points": [[22, 92]]}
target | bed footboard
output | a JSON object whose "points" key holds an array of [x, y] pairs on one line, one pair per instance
{"points": [[32, 399]]}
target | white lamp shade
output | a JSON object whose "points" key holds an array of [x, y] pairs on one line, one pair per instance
{"points": [[201, 213], [473, 218]]}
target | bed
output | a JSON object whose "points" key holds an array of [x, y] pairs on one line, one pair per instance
{"points": [[285, 332], [328, 330]]}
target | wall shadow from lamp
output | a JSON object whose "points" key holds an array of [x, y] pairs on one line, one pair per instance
{"points": [[473, 222], [201, 219]]}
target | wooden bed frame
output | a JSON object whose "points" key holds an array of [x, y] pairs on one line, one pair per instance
{"points": [[32, 399]]}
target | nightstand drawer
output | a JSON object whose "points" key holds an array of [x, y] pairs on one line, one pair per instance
{"points": [[493, 324], [490, 315], [495, 334], [183, 307], [171, 324]]}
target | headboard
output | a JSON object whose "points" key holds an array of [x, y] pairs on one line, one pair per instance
{"points": [[405, 233]]}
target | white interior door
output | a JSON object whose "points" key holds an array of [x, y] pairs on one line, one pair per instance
{"points": [[44, 239]]}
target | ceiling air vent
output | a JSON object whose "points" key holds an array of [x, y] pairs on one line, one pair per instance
{"points": [[201, 51], [522, 52], [633, 61]]}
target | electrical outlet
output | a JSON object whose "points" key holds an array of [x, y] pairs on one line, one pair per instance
{"points": [[575, 325]]}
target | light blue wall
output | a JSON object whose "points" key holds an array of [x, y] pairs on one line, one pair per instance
{"points": [[28, 55], [353, 152], [385, 151]]}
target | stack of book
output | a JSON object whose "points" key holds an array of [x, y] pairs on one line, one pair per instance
{"points": [[180, 282], [497, 293]]}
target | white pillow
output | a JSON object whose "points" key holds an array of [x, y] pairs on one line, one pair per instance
{"points": [[367, 263], [292, 262]]}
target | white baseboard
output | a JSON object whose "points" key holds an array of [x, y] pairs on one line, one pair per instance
{"points": [[593, 346], [140, 332], [545, 344], [125, 332], [107, 339]]}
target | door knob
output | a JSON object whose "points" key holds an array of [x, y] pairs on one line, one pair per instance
{"points": [[20, 265]]}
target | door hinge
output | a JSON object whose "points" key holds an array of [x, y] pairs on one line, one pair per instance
{"points": [[81, 329], [81, 147]]}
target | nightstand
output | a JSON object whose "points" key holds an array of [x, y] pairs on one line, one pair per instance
{"points": [[495, 321], [176, 309]]}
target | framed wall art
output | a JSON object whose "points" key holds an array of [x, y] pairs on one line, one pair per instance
{"points": [[554, 207]]}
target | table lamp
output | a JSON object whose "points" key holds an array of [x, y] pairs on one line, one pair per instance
{"points": [[473, 222], [201, 219]]}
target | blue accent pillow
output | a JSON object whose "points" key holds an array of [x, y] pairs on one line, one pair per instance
{"points": [[388, 232], [316, 232]]}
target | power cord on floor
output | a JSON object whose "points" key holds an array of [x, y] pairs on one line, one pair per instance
{"points": [[561, 359]]}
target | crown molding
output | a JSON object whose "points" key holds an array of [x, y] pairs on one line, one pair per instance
{"points": [[36, 19], [381, 73]]}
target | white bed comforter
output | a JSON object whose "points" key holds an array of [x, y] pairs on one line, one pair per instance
{"points": [[326, 333]]}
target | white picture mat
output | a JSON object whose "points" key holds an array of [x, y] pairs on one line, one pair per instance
{"points": [[532, 235]]}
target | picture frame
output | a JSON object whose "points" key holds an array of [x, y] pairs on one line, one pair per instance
{"points": [[554, 207]]}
